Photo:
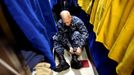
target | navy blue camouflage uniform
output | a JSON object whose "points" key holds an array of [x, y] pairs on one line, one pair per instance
{"points": [[70, 36]]}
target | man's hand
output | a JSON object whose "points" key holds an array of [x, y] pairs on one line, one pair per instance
{"points": [[78, 51], [71, 50]]}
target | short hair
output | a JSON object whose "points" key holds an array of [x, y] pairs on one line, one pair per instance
{"points": [[65, 13]]}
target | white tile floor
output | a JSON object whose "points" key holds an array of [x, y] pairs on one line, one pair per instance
{"points": [[82, 71]]}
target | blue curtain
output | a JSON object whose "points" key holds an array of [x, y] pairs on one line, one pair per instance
{"points": [[35, 19], [52, 3]]}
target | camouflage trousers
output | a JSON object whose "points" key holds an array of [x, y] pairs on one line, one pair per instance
{"points": [[61, 41]]}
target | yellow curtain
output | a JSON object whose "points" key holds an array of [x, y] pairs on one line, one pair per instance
{"points": [[114, 27], [86, 5]]}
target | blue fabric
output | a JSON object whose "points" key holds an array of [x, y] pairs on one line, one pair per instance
{"points": [[99, 54], [34, 18], [52, 3], [32, 58]]}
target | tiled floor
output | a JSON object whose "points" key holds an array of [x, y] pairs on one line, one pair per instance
{"points": [[82, 71]]}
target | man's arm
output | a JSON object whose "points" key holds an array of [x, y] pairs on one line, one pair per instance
{"points": [[61, 34], [60, 27], [82, 29]]}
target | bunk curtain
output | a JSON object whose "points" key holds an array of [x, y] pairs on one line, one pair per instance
{"points": [[22, 47], [86, 5], [114, 27], [52, 3], [35, 19]]}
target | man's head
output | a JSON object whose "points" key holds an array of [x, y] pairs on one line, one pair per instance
{"points": [[66, 17]]}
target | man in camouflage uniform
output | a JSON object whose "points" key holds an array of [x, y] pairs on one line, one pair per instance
{"points": [[72, 35]]}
